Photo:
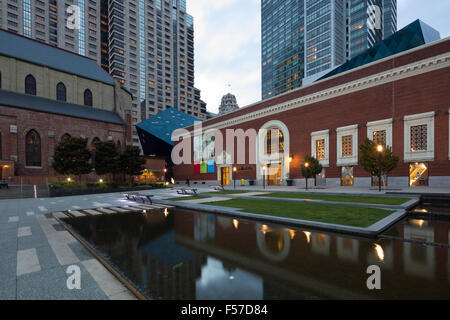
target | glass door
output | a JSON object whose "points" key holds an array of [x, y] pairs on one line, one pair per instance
{"points": [[225, 176]]}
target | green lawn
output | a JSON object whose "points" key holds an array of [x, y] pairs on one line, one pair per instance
{"points": [[187, 198], [335, 214], [340, 198]]}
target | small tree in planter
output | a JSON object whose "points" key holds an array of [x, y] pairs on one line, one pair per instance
{"points": [[107, 158], [131, 162], [72, 157], [313, 169], [370, 159]]}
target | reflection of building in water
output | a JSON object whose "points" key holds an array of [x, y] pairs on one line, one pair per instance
{"points": [[303, 264], [419, 260], [275, 245], [169, 270], [321, 244], [204, 228], [348, 249]]}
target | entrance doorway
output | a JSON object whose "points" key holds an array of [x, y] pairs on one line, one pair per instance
{"points": [[418, 175], [225, 173], [274, 177], [347, 178]]}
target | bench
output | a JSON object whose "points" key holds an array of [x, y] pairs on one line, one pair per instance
{"points": [[130, 195], [4, 183], [219, 188], [136, 197], [185, 191]]}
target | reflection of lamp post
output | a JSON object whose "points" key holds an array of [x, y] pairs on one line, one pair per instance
{"points": [[264, 177], [307, 174], [234, 177], [165, 174], [380, 151]]}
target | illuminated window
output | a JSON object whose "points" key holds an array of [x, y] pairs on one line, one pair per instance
{"points": [[347, 146], [419, 138], [320, 149], [380, 137]]}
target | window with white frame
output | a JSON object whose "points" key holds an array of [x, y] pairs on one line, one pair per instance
{"points": [[320, 147], [347, 146], [380, 132], [419, 137]]}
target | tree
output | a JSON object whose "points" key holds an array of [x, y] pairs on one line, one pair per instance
{"points": [[131, 162], [107, 159], [72, 157], [370, 159], [313, 169]]}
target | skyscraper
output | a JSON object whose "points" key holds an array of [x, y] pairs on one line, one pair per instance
{"points": [[304, 39], [146, 45]]}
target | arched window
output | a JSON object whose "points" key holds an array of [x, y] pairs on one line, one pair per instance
{"points": [[88, 98], [65, 137], [61, 92], [119, 146], [93, 143], [30, 85], [33, 149], [274, 136]]}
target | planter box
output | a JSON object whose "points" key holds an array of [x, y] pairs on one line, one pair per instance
{"points": [[54, 193]]}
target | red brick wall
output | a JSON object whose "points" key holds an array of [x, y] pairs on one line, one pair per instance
{"points": [[418, 94], [43, 123]]}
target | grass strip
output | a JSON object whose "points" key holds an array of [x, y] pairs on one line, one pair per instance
{"points": [[326, 213], [341, 198]]}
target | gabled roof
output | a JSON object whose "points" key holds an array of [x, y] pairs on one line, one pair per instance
{"points": [[165, 123], [39, 53], [29, 102], [413, 35]]}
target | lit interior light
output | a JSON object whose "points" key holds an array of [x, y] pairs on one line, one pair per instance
{"points": [[166, 212], [236, 224], [379, 251], [308, 236], [292, 234]]}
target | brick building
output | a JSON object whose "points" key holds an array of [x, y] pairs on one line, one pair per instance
{"points": [[401, 100], [47, 94]]}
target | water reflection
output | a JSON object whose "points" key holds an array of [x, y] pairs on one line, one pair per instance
{"points": [[186, 255]]}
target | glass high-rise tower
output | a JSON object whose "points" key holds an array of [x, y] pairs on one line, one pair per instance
{"points": [[146, 45], [304, 39]]}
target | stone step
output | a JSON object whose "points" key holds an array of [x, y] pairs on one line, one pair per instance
{"points": [[93, 212], [103, 210], [77, 214]]}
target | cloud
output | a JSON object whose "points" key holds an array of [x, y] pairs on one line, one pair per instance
{"points": [[227, 50]]}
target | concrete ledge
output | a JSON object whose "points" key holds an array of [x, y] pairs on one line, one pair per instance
{"points": [[371, 232]]}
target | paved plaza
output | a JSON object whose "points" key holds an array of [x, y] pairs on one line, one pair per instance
{"points": [[36, 251]]}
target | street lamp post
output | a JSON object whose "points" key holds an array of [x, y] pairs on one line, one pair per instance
{"points": [[307, 174], [264, 177], [234, 177], [380, 151]]}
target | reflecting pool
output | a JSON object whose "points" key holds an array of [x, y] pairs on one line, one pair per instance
{"points": [[177, 254]]}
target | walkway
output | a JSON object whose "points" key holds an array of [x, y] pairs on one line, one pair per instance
{"points": [[36, 253]]}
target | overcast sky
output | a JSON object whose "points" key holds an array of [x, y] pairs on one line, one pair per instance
{"points": [[228, 43]]}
